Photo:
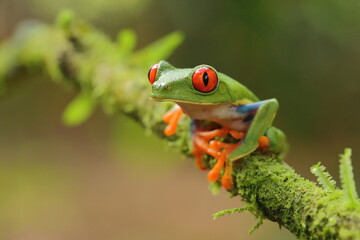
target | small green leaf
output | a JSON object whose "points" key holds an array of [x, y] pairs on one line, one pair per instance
{"points": [[239, 210], [79, 110], [160, 49], [65, 19], [323, 177], [127, 41], [229, 212], [347, 179], [256, 226]]}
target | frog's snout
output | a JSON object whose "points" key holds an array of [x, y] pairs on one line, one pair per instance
{"points": [[158, 85], [160, 90]]}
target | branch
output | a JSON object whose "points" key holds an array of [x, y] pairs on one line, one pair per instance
{"points": [[112, 75]]}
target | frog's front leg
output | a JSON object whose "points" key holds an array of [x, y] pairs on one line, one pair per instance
{"points": [[265, 112], [172, 118]]}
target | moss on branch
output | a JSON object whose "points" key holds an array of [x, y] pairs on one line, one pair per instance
{"points": [[113, 75]]}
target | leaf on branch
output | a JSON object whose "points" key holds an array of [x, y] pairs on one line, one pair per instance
{"points": [[127, 41], [323, 177], [79, 110], [65, 19], [230, 211], [239, 210], [158, 50], [256, 226], [347, 179]]}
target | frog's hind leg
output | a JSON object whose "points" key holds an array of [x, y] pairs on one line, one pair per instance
{"points": [[262, 121]]}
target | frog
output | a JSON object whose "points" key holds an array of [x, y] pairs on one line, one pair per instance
{"points": [[226, 106]]}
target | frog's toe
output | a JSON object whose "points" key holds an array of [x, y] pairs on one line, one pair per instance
{"points": [[237, 134], [202, 145], [208, 135], [214, 173], [198, 155], [264, 143], [226, 181]]}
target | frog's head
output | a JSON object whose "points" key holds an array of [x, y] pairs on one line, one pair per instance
{"points": [[199, 85]]}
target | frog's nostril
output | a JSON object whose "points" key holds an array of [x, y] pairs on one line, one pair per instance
{"points": [[158, 85], [161, 85]]}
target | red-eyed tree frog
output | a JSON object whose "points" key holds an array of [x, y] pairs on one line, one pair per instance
{"points": [[206, 95]]}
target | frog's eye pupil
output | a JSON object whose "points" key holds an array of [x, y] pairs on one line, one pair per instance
{"points": [[152, 73], [204, 79]]}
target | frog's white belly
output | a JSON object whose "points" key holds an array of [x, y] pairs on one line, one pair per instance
{"points": [[223, 114]]}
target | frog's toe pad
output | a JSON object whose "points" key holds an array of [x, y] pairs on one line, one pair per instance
{"points": [[226, 182], [264, 142]]}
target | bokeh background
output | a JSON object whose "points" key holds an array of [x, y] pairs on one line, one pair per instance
{"points": [[107, 180]]}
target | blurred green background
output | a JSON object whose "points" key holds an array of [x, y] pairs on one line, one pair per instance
{"points": [[107, 180]]}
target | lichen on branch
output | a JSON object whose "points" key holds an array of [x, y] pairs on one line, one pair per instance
{"points": [[113, 75]]}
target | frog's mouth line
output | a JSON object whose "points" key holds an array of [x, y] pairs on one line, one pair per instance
{"points": [[181, 101]]}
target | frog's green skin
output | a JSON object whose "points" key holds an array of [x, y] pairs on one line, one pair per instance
{"points": [[229, 104]]}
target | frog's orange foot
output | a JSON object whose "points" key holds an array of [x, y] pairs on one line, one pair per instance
{"points": [[204, 143], [201, 146], [214, 174], [172, 118]]}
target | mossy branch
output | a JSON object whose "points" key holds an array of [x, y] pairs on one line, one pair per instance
{"points": [[112, 75]]}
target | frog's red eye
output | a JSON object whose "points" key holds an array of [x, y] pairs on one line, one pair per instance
{"points": [[204, 79], [152, 73]]}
